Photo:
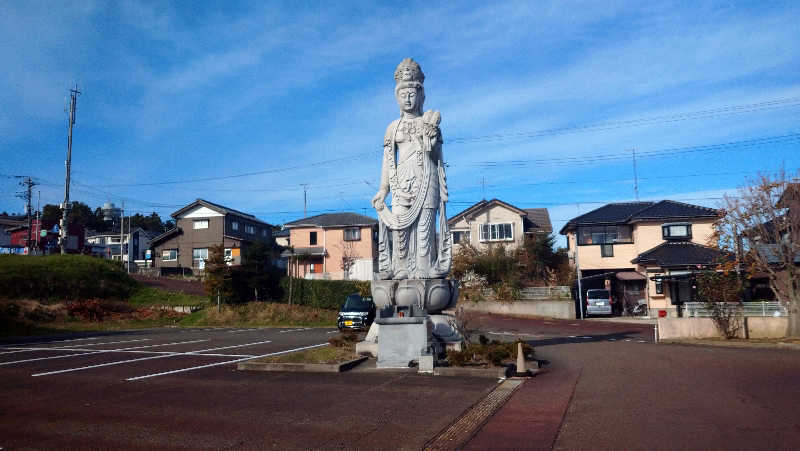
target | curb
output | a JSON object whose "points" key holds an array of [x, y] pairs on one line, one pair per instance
{"points": [[300, 367], [734, 344]]}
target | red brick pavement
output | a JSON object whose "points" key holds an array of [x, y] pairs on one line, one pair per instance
{"points": [[536, 409]]}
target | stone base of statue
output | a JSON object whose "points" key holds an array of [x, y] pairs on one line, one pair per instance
{"points": [[410, 323]]}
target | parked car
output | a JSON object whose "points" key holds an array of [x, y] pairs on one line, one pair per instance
{"points": [[356, 313], [598, 302]]}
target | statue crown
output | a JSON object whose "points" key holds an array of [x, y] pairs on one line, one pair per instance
{"points": [[409, 71]]}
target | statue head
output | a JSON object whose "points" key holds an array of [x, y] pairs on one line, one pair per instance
{"points": [[408, 90]]}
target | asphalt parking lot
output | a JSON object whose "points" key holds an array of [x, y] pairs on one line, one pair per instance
{"points": [[179, 389], [138, 355]]}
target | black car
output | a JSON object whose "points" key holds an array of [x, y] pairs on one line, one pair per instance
{"points": [[356, 313]]}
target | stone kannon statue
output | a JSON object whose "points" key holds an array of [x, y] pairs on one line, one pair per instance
{"points": [[413, 172]]}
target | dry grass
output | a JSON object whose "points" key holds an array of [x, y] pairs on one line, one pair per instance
{"points": [[266, 314], [323, 354]]}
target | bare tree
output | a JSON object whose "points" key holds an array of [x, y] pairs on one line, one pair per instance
{"points": [[349, 257], [762, 226]]}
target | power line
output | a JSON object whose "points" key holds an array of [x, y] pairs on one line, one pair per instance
{"points": [[726, 110], [579, 160], [785, 102]]}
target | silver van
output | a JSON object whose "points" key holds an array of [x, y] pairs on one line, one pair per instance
{"points": [[598, 302]]}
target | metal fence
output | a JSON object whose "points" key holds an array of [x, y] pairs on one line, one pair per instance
{"points": [[536, 293], [764, 308]]}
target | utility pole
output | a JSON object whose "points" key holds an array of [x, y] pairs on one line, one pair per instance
{"points": [[305, 199], [28, 183], [578, 270], [38, 218], [635, 175], [66, 206], [121, 232]]}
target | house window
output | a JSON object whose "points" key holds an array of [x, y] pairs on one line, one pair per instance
{"points": [[676, 231], [235, 225], [250, 229], [461, 236], [605, 234], [264, 232], [228, 255], [200, 254], [607, 250], [200, 224], [497, 232], [352, 234], [312, 238], [169, 255], [659, 286]]}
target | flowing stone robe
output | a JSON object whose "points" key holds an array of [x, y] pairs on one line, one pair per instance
{"points": [[413, 170]]}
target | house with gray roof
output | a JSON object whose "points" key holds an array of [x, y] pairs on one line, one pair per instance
{"points": [[201, 225], [643, 251], [493, 221], [333, 246]]}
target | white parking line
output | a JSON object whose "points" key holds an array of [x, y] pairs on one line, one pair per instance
{"points": [[20, 349], [16, 345], [331, 331], [292, 330], [222, 363], [103, 343], [120, 362], [91, 352]]}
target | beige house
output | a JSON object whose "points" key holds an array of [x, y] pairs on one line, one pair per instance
{"points": [[497, 222], [333, 246], [645, 251], [201, 225]]}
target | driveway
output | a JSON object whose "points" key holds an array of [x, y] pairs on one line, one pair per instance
{"points": [[608, 386]]}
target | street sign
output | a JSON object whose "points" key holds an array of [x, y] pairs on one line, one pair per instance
{"points": [[43, 233]]}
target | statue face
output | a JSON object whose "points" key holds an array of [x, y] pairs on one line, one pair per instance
{"points": [[408, 99]]}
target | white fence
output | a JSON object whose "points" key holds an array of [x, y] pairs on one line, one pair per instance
{"points": [[764, 308]]}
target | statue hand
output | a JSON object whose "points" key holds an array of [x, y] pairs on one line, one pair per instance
{"points": [[377, 201]]}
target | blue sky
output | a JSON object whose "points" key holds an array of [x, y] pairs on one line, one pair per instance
{"points": [[540, 101]]}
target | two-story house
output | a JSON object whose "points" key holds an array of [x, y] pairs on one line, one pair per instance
{"points": [[497, 222], [333, 246], [643, 251], [201, 225]]}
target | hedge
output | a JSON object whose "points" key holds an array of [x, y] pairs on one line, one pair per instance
{"points": [[327, 294], [63, 277]]}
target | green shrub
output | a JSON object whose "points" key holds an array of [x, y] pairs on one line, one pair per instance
{"points": [[63, 277], [326, 294], [486, 353]]}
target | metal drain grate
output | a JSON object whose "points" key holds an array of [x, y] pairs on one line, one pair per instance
{"points": [[463, 429]]}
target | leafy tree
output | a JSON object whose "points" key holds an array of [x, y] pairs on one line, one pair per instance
{"points": [[761, 224], [151, 222], [80, 214], [257, 274], [217, 277]]}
